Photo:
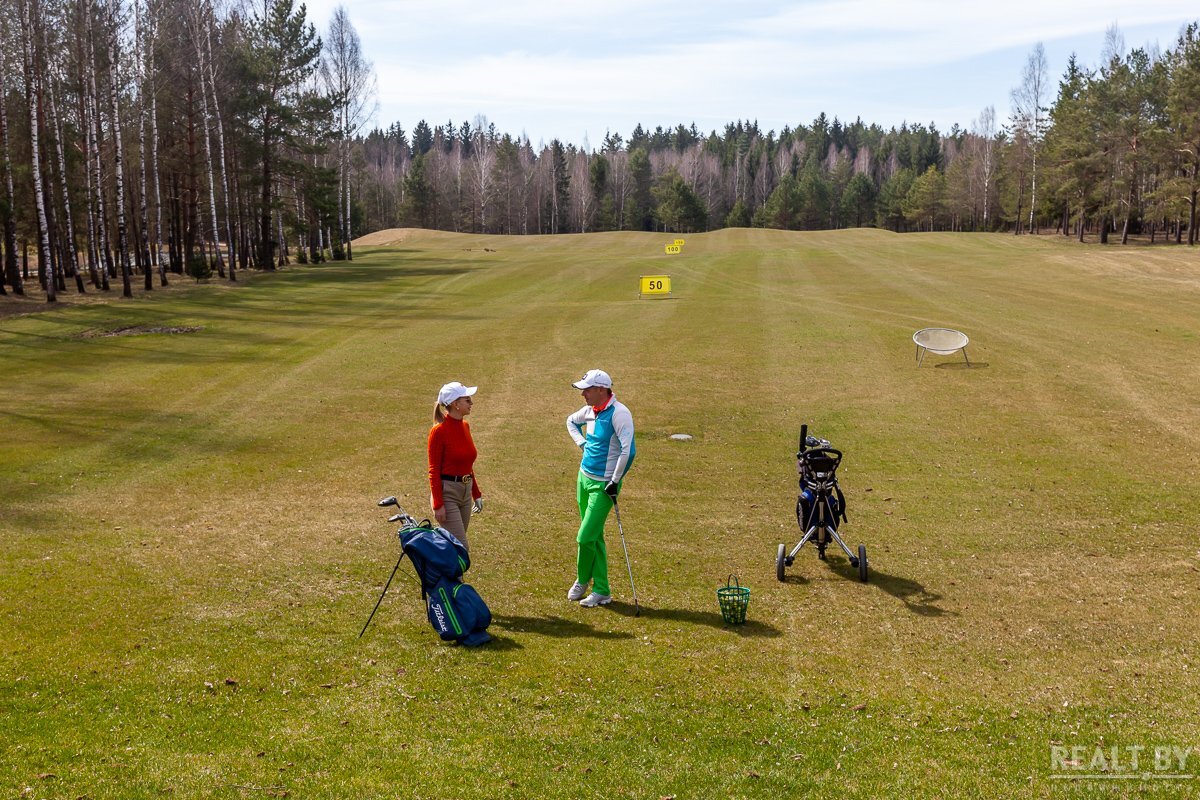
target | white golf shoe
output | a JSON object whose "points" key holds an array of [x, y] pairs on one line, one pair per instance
{"points": [[593, 600], [577, 591]]}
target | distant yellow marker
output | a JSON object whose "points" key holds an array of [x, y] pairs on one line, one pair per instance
{"points": [[679, 242], [656, 284], [671, 249]]}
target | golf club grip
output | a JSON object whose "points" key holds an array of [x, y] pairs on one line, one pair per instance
{"points": [[803, 436]]}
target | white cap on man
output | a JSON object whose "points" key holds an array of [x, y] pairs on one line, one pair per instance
{"points": [[593, 377], [454, 390]]}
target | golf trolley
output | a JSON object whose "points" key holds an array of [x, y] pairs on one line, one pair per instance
{"points": [[820, 505]]}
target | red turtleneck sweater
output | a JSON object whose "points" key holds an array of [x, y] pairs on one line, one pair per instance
{"points": [[451, 452]]}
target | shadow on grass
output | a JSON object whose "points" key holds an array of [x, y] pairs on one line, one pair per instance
{"points": [[558, 627], [914, 595], [498, 643], [381, 249], [961, 365], [331, 296], [710, 618]]}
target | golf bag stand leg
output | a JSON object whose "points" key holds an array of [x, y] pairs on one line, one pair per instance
{"points": [[380, 600]]}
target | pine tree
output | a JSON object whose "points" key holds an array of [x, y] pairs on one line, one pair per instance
{"points": [[283, 52]]}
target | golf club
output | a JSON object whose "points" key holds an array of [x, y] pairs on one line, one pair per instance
{"points": [[637, 611], [407, 520]]}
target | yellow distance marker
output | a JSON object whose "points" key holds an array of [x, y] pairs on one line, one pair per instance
{"points": [[679, 242], [656, 284], [672, 249]]}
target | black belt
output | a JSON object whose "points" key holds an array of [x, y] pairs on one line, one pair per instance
{"points": [[457, 478]]}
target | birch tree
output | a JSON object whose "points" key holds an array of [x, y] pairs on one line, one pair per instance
{"points": [[30, 23], [114, 71], [1029, 115], [984, 129], [8, 211], [198, 28], [350, 83], [210, 19]]}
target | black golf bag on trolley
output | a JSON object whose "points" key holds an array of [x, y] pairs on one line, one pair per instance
{"points": [[820, 505]]}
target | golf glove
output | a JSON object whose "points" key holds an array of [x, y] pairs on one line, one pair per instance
{"points": [[478, 507], [612, 488]]}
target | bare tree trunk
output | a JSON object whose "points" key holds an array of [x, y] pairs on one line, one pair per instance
{"points": [[29, 22], [1033, 190], [86, 118], [175, 238], [300, 233], [190, 215], [95, 135], [266, 261], [145, 87], [348, 234], [11, 271], [212, 81], [208, 159], [56, 258], [283, 250], [69, 253], [150, 88], [1192, 210], [119, 166]]}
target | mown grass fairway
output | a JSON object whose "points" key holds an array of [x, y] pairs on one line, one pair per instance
{"points": [[191, 542]]}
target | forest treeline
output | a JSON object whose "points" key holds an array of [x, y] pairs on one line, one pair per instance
{"points": [[151, 138], [1110, 149]]}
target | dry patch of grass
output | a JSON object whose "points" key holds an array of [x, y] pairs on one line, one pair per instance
{"points": [[139, 330]]}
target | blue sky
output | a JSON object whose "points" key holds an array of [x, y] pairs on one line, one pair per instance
{"points": [[575, 70]]}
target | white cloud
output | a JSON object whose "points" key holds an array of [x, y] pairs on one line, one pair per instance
{"points": [[558, 69]]}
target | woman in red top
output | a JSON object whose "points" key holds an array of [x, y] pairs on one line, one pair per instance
{"points": [[452, 484]]}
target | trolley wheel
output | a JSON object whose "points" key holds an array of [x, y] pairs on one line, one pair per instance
{"points": [[862, 563], [780, 560]]}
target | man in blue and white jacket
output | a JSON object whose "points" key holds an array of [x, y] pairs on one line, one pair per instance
{"points": [[604, 430]]}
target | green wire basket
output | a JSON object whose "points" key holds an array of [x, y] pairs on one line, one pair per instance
{"points": [[733, 598]]}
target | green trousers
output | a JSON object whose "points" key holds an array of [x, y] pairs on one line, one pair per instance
{"points": [[592, 560]]}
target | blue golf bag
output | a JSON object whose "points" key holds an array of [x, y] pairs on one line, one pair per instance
{"points": [[456, 611]]}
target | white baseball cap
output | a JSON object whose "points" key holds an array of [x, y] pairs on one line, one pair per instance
{"points": [[593, 377], [454, 390]]}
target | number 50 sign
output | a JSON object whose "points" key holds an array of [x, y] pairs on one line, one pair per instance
{"points": [[656, 284]]}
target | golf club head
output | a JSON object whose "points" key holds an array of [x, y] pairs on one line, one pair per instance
{"points": [[396, 517], [388, 501]]}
